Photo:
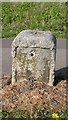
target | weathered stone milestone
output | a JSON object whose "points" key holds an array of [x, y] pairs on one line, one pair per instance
{"points": [[33, 56]]}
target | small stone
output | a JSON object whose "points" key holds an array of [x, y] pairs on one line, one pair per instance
{"points": [[42, 91]]}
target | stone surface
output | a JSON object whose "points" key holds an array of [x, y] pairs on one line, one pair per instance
{"points": [[33, 56]]}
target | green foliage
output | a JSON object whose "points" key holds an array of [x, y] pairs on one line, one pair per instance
{"points": [[0, 113], [15, 114], [63, 114], [40, 114], [34, 15]]}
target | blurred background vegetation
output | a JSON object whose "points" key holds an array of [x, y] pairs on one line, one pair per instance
{"points": [[44, 16]]}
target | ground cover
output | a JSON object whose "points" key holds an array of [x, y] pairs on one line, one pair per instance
{"points": [[41, 16], [34, 99]]}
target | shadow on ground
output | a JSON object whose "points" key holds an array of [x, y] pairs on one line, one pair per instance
{"points": [[61, 74]]}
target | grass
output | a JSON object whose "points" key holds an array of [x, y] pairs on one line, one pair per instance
{"points": [[40, 114], [34, 15]]}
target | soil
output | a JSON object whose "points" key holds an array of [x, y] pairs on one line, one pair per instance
{"points": [[32, 95]]}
